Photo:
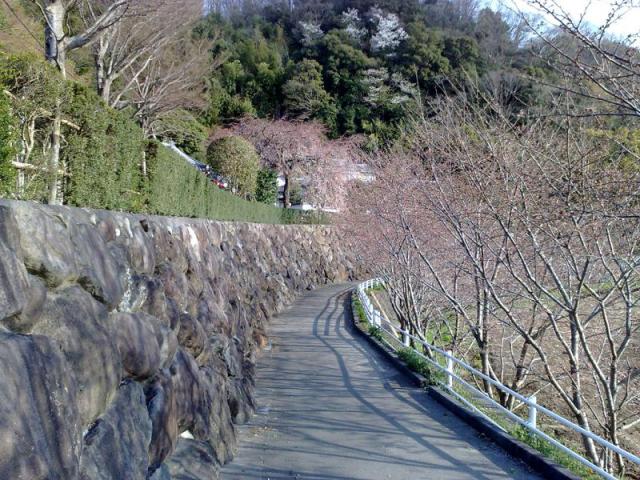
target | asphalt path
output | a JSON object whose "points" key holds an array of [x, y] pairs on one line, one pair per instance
{"points": [[332, 408]]}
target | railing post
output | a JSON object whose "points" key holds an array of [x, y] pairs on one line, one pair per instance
{"points": [[405, 339], [533, 412], [449, 369]]}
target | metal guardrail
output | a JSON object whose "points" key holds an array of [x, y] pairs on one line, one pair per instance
{"points": [[402, 337]]}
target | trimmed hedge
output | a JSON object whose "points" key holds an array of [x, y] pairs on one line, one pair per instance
{"points": [[7, 146], [176, 188], [104, 157]]}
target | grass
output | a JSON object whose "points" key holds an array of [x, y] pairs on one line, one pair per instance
{"points": [[376, 288], [552, 452], [419, 365], [16, 29], [531, 439], [376, 332], [358, 309]]}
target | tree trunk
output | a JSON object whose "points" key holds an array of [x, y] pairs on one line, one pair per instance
{"points": [[105, 91], [286, 193], [54, 156], [54, 35], [55, 53], [103, 78], [576, 388]]}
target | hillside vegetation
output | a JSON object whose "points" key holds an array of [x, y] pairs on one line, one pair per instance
{"points": [[106, 159]]}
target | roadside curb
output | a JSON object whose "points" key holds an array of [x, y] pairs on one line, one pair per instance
{"points": [[538, 462]]}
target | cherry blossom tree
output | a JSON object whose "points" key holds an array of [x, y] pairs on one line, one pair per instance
{"points": [[301, 150], [389, 32], [527, 242]]}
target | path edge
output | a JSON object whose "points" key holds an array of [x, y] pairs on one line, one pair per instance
{"points": [[514, 447]]}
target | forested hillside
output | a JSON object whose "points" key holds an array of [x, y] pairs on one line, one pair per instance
{"points": [[139, 71], [359, 66]]}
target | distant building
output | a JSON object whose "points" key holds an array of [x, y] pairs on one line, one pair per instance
{"points": [[360, 173]]}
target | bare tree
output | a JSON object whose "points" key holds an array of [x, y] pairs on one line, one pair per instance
{"points": [[169, 81], [58, 42], [595, 64], [558, 233], [382, 215], [527, 240], [125, 50]]}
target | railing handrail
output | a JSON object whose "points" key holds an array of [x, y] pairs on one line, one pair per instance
{"points": [[375, 318]]}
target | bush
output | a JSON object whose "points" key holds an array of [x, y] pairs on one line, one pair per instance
{"points": [[418, 364], [267, 186], [237, 160], [7, 146], [182, 128]]}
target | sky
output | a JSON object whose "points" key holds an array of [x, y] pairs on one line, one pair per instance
{"points": [[597, 11]]}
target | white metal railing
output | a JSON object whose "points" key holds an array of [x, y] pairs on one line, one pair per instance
{"points": [[403, 338]]}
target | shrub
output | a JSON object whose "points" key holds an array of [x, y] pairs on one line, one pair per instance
{"points": [[267, 186], [182, 128], [418, 364], [237, 160], [7, 146]]}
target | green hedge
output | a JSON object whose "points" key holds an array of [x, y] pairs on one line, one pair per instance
{"points": [[176, 188], [104, 158], [8, 134]]}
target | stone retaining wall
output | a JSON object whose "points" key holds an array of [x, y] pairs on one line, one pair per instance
{"points": [[128, 343]]}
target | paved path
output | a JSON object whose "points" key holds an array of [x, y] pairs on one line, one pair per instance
{"points": [[332, 408]]}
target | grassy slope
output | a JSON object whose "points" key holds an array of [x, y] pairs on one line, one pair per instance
{"points": [[18, 29], [22, 33]]}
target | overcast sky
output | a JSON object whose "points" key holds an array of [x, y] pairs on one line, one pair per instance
{"points": [[597, 11]]}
